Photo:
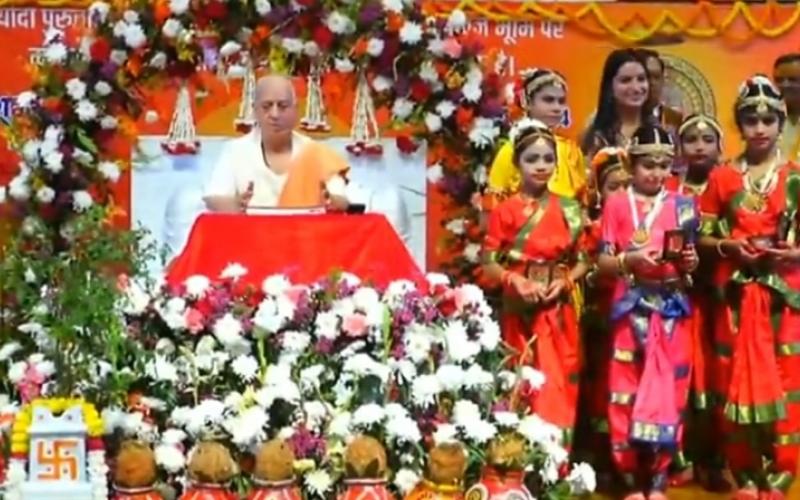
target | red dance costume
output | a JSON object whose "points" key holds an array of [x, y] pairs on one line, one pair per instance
{"points": [[533, 238], [649, 326], [757, 329]]}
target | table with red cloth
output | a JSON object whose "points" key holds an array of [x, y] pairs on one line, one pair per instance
{"points": [[305, 248]]}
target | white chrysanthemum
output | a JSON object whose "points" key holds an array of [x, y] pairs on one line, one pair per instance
{"points": [[228, 330], [276, 285], [582, 479], [247, 428], [311, 49], [18, 188], [8, 350], [26, 99], [81, 201], [83, 157], [451, 377], [476, 378], [31, 151], [229, 48], [456, 22], [55, 53], [480, 431], [54, 161], [207, 414], [172, 28], [170, 458], [263, 7], [102, 88], [402, 108], [404, 369], [118, 57], [318, 482], [434, 173], [428, 72], [245, 366], [490, 334], [445, 433], [417, 343], [158, 61], [362, 365], [459, 347], [375, 47], [507, 419], [343, 65], [134, 36], [537, 431], [340, 24], [507, 380], [233, 271], [161, 369], [178, 7], [295, 342], [406, 480], [472, 252], [465, 411], [86, 110], [395, 6], [410, 33], [196, 286], [472, 91], [433, 122], [273, 313], [173, 313], [292, 45], [310, 378], [16, 372], [368, 415], [456, 226], [45, 194], [403, 429], [130, 16], [425, 389], [340, 425], [76, 89], [382, 83], [109, 170], [327, 325], [533, 376], [316, 413]]}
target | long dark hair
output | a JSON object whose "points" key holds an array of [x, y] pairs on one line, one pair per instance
{"points": [[606, 119]]}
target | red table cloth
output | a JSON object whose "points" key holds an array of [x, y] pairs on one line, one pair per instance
{"points": [[303, 247]]}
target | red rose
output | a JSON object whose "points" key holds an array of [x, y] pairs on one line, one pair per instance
{"points": [[216, 10], [492, 81], [406, 144], [447, 307], [100, 50], [322, 36], [420, 91]]}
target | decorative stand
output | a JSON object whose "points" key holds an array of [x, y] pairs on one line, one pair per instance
{"points": [[315, 119], [364, 133], [246, 119], [181, 139], [65, 454]]}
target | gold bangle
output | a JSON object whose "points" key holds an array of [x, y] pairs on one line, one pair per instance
{"points": [[621, 262], [719, 249]]}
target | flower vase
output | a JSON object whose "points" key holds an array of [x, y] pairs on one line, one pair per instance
{"points": [[144, 493], [428, 490], [275, 490], [208, 491], [497, 485], [366, 489]]}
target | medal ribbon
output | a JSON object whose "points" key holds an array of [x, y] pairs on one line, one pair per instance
{"points": [[649, 217]]}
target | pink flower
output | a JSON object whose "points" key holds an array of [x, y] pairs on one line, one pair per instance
{"points": [[451, 47], [30, 386], [294, 293], [194, 320], [355, 325]]}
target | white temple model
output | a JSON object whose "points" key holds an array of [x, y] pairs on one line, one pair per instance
{"points": [[315, 119], [364, 132], [182, 138]]}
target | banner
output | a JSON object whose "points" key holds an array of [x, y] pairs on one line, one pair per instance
{"points": [[703, 73]]}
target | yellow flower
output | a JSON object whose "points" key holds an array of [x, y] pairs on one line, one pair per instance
{"points": [[454, 80], [304, 465]]}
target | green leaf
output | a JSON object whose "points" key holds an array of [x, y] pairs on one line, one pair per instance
{"points": [[85, 141]]}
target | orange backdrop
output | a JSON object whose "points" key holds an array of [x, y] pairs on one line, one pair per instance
{"points": [[708, 68]]}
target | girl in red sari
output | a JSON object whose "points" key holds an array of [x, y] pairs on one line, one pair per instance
{"points": [[532, 248], [700, 139], [610, 174], [649, 314], [749, 219]]}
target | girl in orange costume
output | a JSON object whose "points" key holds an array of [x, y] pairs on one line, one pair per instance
{"points": [[532, 247], [749, 220]]}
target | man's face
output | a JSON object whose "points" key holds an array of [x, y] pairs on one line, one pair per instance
{"points": [[655, 76], [275, 108], [787, 78]]}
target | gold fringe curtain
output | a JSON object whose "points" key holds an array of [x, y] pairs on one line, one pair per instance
{"points": [[634, 23]]}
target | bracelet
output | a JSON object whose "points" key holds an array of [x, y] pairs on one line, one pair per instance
{"points": [[621, 262], [719, 249]]}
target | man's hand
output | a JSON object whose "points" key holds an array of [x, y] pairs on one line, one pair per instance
{"points": [[337, 204], [243, 199]]}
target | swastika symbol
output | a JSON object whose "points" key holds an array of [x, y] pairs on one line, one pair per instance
{"points": [[58, 461]]}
